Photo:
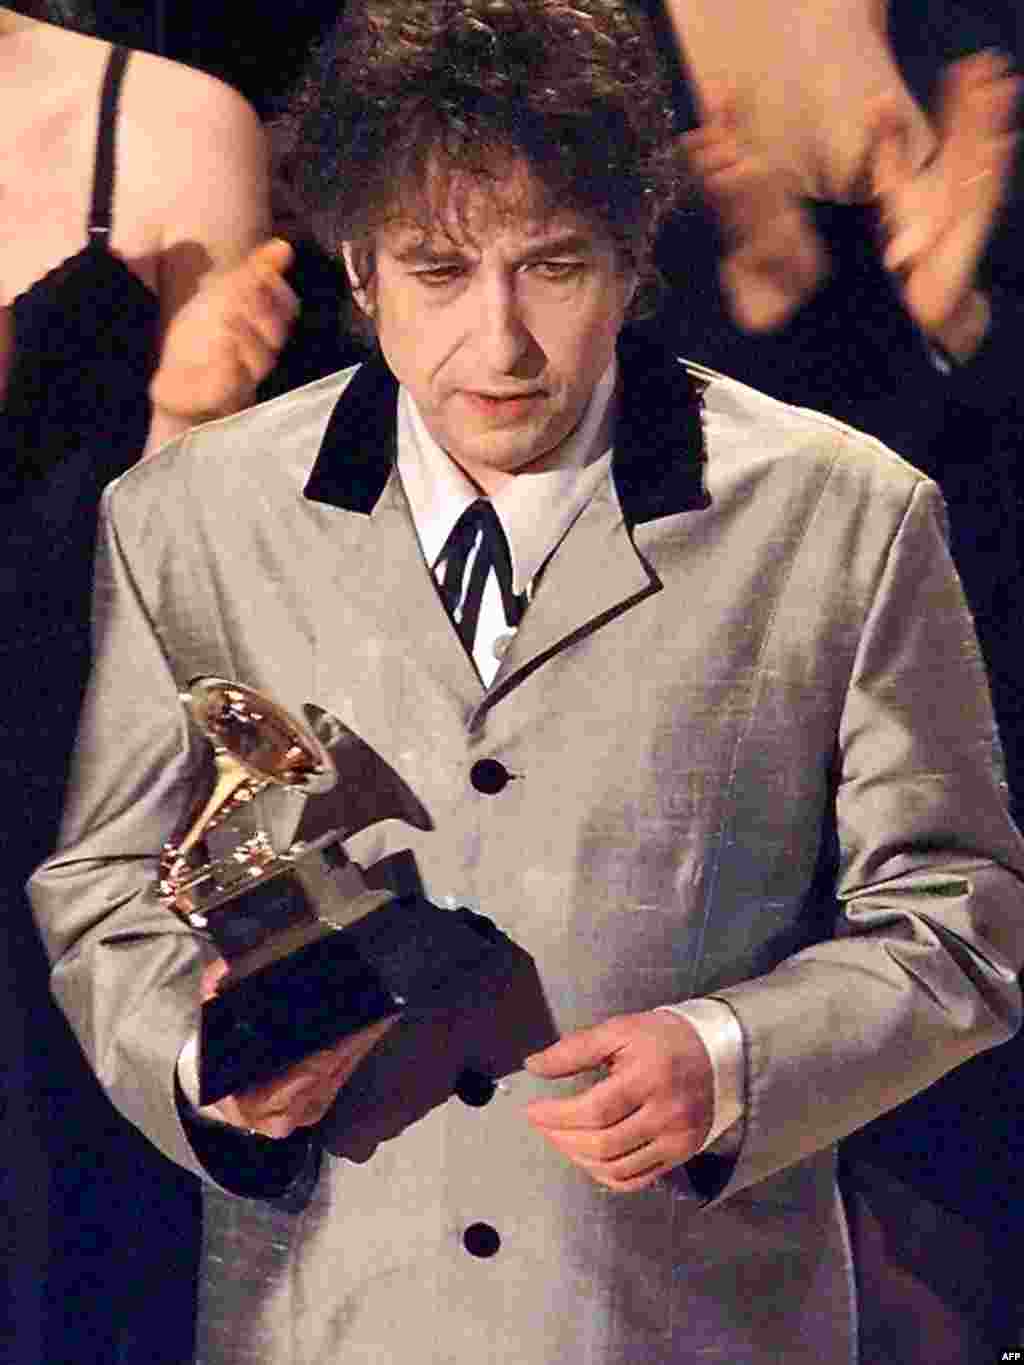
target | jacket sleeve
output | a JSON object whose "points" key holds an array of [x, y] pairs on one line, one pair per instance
{"points": [[929, 923], [125, 970]]}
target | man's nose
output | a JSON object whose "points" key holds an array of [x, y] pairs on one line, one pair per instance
{"points": [[508, 344]]}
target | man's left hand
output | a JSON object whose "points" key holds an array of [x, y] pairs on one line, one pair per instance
{"points": [[651, 1111]]}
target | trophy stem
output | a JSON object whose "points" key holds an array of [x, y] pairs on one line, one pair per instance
{"points": [[231, 777]]}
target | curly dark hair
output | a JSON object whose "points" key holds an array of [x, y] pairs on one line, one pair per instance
{"points": [[408, 101]]}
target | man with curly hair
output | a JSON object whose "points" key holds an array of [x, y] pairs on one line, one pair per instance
{"points": [[685, 683]]}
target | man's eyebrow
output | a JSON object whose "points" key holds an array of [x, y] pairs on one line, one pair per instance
{"points": [[411, 253], [421, 249], [426, 250], [569, 243]]}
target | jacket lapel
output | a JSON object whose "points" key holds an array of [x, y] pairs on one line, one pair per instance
{"points": [[597, 572], [593, 577], [380, 568]]}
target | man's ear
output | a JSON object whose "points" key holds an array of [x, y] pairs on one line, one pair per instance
{"points": [[358, 283]]}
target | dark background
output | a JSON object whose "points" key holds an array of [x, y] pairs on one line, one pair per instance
{"points": [[258, 49]]}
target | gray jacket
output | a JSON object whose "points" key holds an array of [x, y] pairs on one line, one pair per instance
{"points": [[752, 756]]}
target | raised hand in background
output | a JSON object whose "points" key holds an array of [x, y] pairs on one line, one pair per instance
{"points": [[227, 338], [937, 221]]}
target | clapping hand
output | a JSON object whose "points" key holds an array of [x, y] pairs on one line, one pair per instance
{"points": [[773, 258], [226, 339], [936, 221], [650, 1112]]}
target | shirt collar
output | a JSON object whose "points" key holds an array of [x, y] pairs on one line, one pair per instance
{"points": [[535, 509]]}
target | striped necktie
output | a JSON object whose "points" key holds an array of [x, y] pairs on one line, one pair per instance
{"points": [[475, 547]]}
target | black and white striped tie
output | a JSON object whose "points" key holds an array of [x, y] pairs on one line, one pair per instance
{"points": [[477, 529]]}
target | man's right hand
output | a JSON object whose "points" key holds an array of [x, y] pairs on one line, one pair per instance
{"points": [[302, 1095]]}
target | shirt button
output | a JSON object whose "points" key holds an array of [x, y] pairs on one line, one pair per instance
{"points": [[489, 776], [474, 1088], [500, 647], [480, 1239]]}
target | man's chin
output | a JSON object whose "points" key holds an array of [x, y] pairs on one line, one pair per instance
{"points": [[505, 449], [506, 457]]}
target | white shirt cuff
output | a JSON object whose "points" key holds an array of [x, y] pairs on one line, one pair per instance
{"points": [[188, 1069], [720, 1032], [188, 1079]]}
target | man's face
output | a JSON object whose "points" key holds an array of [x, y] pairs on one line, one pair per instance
{"points": [[499, 322]]}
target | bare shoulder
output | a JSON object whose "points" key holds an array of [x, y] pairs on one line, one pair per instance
{"points": [[186, 121], [170, 98], [194, 159], [157, 92]]}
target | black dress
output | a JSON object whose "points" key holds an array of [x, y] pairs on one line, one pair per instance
{"points": [[97, 1227]]}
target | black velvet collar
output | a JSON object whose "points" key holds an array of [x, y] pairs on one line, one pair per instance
{"points": [[658, 464]]}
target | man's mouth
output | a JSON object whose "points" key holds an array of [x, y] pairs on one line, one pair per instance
{"points": [[508, 403]]}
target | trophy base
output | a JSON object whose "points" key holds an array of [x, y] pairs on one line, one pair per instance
{"points": [[406, 955]]}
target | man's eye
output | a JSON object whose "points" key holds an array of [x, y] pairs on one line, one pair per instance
{"points": [[437, 275], [558, 270]]}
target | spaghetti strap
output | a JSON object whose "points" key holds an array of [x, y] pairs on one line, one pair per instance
{"points": [[101, 211]]}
